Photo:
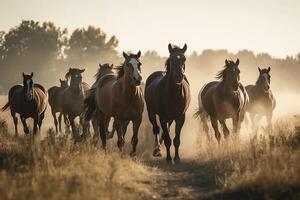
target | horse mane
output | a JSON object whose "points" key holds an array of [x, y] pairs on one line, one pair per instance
{"points": [[221, 74]]}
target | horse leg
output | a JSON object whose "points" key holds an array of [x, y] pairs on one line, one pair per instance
{"points": [[155, 129], [35, 124], [95, 124], [73, 127], [13, 114], [55, 120], [214, 123], [203, 118], [269, 121], [120, 141], [167, 139], [59, 122], [134, 139], [110, 134], [41, 118], [85, 127], [102, 130], [176, 141], [236, 123], [23, 120], [225, 129]]}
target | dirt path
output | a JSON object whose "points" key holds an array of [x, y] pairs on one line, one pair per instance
{"points": [[186, 180]]}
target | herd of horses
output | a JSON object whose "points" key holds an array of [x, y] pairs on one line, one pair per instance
{"points": [[117, 94]]}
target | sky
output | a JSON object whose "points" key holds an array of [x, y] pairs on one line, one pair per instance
{"points": [[271, 26]]}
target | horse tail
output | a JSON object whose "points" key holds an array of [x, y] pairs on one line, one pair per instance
{"points": [[90, 104], [4, 108]]}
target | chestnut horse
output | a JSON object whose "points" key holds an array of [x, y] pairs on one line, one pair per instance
{"points": [[119, 95], [262, 101], [55, 101], [167, 95], [72, 101], [29, 101], [224, 99]]}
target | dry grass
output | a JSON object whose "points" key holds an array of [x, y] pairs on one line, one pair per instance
{"points": [[55, 168], [262, 167]]}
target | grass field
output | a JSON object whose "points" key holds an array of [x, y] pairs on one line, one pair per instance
{"points": [[251, 166]]}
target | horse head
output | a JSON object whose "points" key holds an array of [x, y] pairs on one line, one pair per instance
{"points": [[132, 67], [75, 75], [28, 86], [264, 79], [63, 83], [231, 73], [175, 64]]}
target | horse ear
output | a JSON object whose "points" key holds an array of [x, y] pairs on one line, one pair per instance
{"points": [[81, 71], [226, 62], [125, 56], [259, 69], [184, 48], [269, 69], [112, 66], [100, 65], [170, 48], [237, 62], [23, 74], [138, 54], [31, 75]]}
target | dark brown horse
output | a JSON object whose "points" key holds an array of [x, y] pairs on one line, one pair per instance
{"points": [[72, 100], [55, 101], [262, 101], [167, 95], [103, 70], [29, 101], [224, 99], [119, 95]]}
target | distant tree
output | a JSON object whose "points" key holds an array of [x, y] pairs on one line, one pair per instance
{"points": [[30, 46], [91, 46]]}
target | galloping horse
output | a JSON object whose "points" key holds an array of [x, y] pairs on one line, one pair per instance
{"points": [[103, 70], [224, 99], [262, 101], [167, 95], [55, 101], [72, 100], [119, 95], [29, 100]]}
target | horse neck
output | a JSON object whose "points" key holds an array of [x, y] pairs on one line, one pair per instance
{"points": [[76, 87], [260, 91], [174, 90], [227, 88], [129, 90]]}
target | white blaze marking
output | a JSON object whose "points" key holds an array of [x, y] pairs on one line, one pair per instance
{"points": [[134, 64]]}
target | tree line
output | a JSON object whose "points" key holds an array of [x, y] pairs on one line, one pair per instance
{"points": [[49, 51]]}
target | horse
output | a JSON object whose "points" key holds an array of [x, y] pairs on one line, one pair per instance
{"points": [[119, 95], [167, 94], [223, 99], [55, 101], [103, 70], [72, 101], [29, 101], [262, 101]]}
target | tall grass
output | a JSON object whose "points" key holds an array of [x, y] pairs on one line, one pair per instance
{"points": [[260, 166], [56, 168]]}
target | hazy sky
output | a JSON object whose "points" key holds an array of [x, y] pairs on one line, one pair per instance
{"points": [[271, 26]]}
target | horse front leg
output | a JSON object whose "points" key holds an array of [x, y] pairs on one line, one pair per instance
{"points": [[13, 114], [166, 137], [236, 123], [55, 120], [134, 139], [214, 123], [59, 122], [23, 120], [155, 129], [35, 124], [73, 127], [225, 129], [269, 121], [176, 141]]}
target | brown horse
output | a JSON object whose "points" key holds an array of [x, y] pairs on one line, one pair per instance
{"points": [[55, 101], [103, 70], [72, 100], [29, 101], [167, 95], [224, 99], [262, 101], [119, 95]]}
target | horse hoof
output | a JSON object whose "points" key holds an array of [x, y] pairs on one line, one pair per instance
{"points": [[156, 153], [169, 160], [177, 160], [133, 154], [109, 136]]}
